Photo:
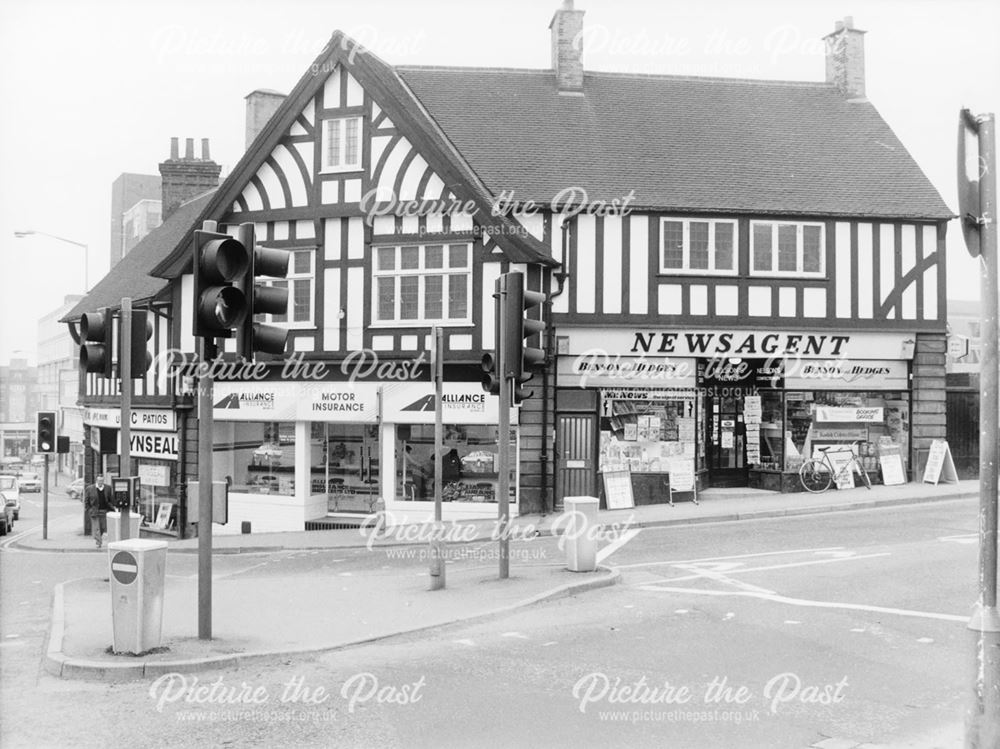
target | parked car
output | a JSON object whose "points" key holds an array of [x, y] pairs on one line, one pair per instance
{"points": [[9, 515], [75, 489], [30, 482], [12, 493]]}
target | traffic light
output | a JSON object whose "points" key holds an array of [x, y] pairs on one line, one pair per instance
{"points": [[142, 331], [95, 348], [219, 306], [491, 379], [45, 434], [522, 362], [262, 299]]}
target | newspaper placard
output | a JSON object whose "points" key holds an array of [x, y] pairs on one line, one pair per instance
{"points": [[940, 466], [891, 461], [163, 515], [618, 490]]}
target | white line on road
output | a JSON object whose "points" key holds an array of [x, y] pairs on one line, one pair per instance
{"points": [[720, 578], [719, 559], [617, 544], [777, 566], [806, 602]]}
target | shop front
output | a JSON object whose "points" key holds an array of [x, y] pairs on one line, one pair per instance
{"points": [[745, 408], [155, 449], [300, 452]]}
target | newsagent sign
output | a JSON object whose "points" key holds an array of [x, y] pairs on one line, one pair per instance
{"points": [[742, 343]]}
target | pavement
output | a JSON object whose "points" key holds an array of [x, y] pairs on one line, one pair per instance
{"points": [[302, 609]]}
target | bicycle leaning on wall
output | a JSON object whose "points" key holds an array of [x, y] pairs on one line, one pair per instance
{"points": [[818, 474]]}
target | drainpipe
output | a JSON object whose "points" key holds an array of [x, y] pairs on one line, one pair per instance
{"points": [[550, 358]]}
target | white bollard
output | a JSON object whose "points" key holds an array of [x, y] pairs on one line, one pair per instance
{"points": [[114, 525], [138, 571], [580, 533]]}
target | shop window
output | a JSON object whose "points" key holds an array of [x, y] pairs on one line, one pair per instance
{"points": [[786, 249], [344, 465], [703, 246], [420, 284], [765, 430], [158, 496], [643, 434], [255, 457], [469, 465], [830, 418]]}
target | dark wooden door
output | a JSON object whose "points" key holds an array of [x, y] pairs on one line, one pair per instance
{"points": [[576, 469]]}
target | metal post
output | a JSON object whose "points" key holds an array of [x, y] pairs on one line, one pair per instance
{"points": [[205, 429], [983, 719], [125, 374], [437, 542], [45, 499], [503, 438]]}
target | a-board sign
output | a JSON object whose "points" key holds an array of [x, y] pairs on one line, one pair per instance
{"points": [[124, 567], [163, 515], [618, 490], [891, 461], [681, 475], [940, 466]]}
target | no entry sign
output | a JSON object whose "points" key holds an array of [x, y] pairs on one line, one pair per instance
{"points": [[124, 567]]}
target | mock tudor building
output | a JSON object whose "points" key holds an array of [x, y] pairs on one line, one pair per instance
{"points": [[738, 272]]}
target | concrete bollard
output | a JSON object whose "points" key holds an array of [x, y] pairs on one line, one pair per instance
{"points": [[580, 536], [114, 525]]}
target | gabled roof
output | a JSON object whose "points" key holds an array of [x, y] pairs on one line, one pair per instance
{"points": [[681, 143], [130, 277], [398, 101]]}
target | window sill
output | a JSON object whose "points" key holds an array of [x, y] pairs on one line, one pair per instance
{"points": [[389, 325], [342, 169], [789, 274], [698, 272]]}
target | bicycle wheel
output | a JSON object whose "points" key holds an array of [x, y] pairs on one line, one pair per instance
{"points": [[864, 475], [815, 476]]}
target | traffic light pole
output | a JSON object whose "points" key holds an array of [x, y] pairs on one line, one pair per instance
{"points": [[504, 369], [437, 544], [983, 718], [125, 377], [45, 499], [205, 429]]}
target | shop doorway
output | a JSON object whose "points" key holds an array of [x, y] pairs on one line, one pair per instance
{"points": [[576, 470], [725, 451], [349, 468]]}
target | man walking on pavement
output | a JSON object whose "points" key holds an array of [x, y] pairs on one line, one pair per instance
{"points": [[97, 499]]}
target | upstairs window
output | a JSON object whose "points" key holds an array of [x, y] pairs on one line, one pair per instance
{"points": [[300, 283], [342, 144], [421, 284], [698, 246], [786, 249]]}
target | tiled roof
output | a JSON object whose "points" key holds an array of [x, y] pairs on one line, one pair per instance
{"points": [[130, 277], [681, 143]]}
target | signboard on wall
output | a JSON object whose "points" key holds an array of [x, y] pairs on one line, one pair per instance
{"points": [[147, 419], [462, 403], [598, 368], [296, 401], [878, 374], [152, 445], [850, 414]]}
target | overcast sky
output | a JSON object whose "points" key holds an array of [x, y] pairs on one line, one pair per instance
{"points": [[91, 89]]}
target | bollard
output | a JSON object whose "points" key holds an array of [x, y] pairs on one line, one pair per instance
{"points": [[114, 525], [245, 527], [138, 571], [580, 534]]}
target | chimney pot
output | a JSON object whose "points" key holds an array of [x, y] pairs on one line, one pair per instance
{"points": [[183, 179], [204, 149], [174, 148], [189, 149]]}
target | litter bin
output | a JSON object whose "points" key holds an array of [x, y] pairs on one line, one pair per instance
{"points": [[138, 570], [114, 524], [580, 533]]}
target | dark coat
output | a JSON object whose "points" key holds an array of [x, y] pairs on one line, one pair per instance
{"points": [[97, 502]]}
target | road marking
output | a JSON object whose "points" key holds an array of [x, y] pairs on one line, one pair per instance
{"points": [[470, 643], [807, 603], [837, 554], [780, 566], [926, 639], [518, 635], [719, 559], [719, 577], [617, 544], [968, 538], [551, 642]]}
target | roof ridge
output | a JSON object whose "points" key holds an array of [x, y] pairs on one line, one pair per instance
{"points": [[618, 74]]}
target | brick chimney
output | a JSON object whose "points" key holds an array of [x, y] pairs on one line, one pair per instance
{"points": [[185, 178], [567, 48], [845, 58], [261, 106]]}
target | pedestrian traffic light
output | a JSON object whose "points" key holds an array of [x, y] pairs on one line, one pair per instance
{"points": [[45, 432], [262, 299], [95, 348], [139, 355], [491, 378], [219, 306], [522, 362]]}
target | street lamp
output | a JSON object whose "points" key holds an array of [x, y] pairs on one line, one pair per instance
{"points": [[86, 251]]}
